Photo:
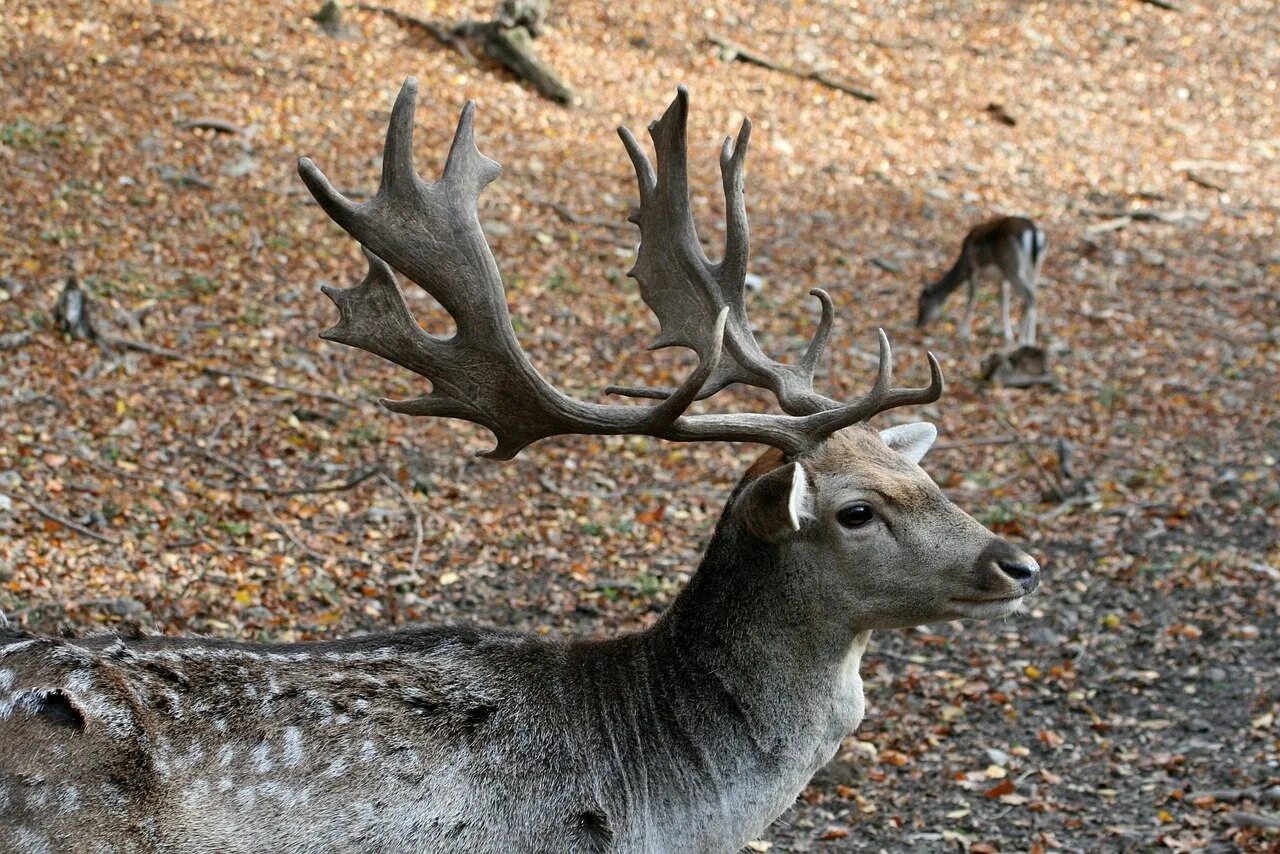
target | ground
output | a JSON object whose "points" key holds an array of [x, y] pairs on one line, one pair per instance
{"points": [[1145, 141]]}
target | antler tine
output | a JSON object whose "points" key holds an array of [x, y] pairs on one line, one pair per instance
{"points": [[808, 363], [685, 290], [737, 242], [882, 396]]}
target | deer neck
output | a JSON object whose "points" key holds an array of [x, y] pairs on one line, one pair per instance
{"points": [[762, 678], [959, 273]]}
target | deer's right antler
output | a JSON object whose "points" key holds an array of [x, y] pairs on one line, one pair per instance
{"points": [[431, 233]]}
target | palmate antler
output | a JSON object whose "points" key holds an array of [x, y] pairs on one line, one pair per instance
{"points": [[431, 233]]}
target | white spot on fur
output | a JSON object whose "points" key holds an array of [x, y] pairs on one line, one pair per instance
{"points": [[7, 678], [31, 841], [262, 758], [193, 756], [68, 798], [368, 752], [225, 754], [293, 746]]}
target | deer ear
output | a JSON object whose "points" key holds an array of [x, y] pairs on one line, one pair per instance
{"points": [[773, 505], [913, 441]]}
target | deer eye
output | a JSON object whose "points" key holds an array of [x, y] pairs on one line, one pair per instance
{"points": [[855, 515]]}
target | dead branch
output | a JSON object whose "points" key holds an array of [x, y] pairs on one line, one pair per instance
{"points": [[977, 442], [352, 483], [407, 500], [567, 215], [211, 123], [512, 48], [306, 549], [1247, 819], [67, 523], [734, 51], [447, 36], [73, 312], [1201, 180], [1053, 488], [507, 40], [317, 489], [165, 353]]}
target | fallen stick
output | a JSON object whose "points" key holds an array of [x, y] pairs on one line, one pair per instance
{"points": [[67, 523], [209, 123], [1248, 819], [743, 54], [445, 35], [245, 474], [567, 215], [418, 535], [165, 353]]}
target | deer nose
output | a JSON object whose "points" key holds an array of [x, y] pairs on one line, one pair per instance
{"points": [[1022, 568]]}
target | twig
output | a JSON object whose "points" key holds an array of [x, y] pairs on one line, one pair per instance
{"points": [[1147, 215], [1056, 489], [284, 529], [1162, 4], [173, 355], [67, 523], [245, 474], [1224, 795], [445, 35], [981, 440], [85, 458], [417, 519], [743, 54], [210, 123], [225, 463], [1197, 178], [1247, 819], [563, 211], [315, 490]]}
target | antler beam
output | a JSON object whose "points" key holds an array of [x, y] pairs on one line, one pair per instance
{"points": [[431, 233]]}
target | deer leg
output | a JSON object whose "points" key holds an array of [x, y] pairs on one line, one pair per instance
{"points": [[965, 325], [1027, 292], [1004, 311]]}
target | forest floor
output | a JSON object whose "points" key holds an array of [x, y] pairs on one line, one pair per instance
{"points": [[1134, 706]]}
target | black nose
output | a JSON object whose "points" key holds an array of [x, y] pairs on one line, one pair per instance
{"points": [[1022, 569]]}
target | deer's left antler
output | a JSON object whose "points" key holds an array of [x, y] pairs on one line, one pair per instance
{"points": [[431, 233]]}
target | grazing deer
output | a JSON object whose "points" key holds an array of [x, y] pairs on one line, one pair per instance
{"points": [[1014, 247], [690, 736]]}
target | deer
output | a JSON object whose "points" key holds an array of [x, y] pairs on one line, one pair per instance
{"points": [[1012, 246], [690, 735]]}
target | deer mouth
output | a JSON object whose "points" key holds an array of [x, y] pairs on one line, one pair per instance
{"points": [[996, 606]]}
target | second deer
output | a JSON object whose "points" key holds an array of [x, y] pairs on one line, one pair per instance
{"points": [[1012, 246]]}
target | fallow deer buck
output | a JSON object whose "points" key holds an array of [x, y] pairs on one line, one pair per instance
{"points": [[690, 736], [1012, 247]]}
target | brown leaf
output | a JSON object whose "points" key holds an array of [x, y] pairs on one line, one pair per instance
{"points": [[1004, 787]]}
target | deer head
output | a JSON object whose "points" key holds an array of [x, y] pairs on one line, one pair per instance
{"points": [[874, 538]]}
